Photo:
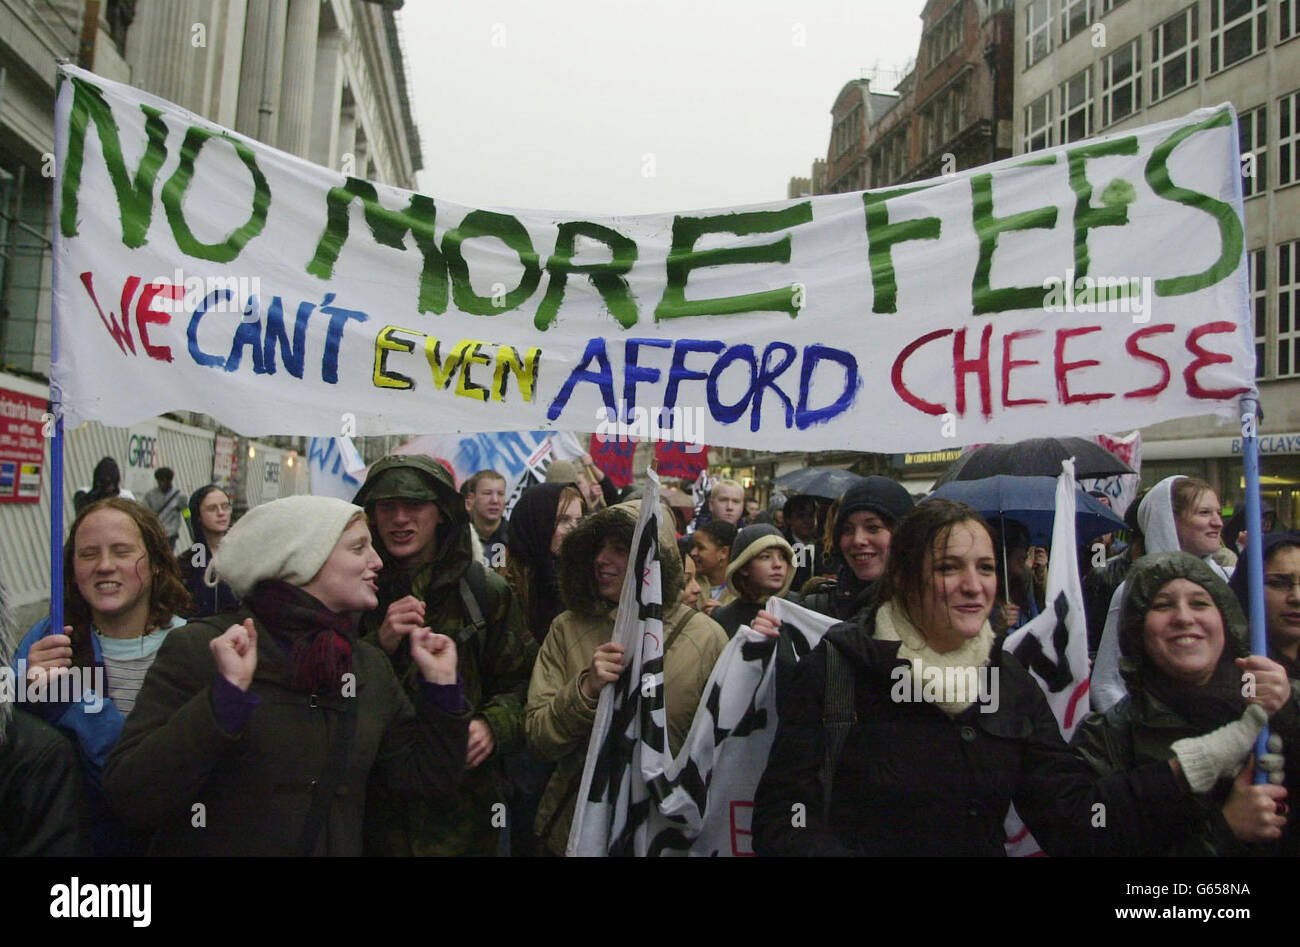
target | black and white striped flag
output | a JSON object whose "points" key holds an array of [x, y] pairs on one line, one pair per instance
{"points": [[628, 753], [636, 800]]}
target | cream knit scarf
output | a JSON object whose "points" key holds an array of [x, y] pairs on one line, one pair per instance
{"points": [[892, 624]]}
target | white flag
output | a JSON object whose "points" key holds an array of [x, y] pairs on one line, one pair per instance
{"points": [[635, 801], [731, 736], [628, 751], [1054, 645]]}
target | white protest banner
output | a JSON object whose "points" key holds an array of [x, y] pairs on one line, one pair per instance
{"points": [[1088, 288], [1054, 645], [731, 736]]}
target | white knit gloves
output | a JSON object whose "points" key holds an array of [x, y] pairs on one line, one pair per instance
{"points": [[1205, 760], [1273, 762]]}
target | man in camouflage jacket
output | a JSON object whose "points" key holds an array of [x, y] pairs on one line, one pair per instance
{"points": [[430, 578]]}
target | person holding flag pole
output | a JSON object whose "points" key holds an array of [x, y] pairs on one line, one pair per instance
{"points": [[625, 626]]}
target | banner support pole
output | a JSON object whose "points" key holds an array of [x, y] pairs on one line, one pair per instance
{"points": [[56, 409], [1254, 548]]}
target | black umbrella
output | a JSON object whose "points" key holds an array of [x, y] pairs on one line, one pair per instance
{"points": [[819, 481], [1036, 457]]}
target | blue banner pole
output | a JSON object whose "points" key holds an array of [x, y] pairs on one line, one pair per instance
{"points": [[56, 409], [56, 516], [1254, 548]]}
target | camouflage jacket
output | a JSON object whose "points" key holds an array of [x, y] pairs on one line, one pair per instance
{"points": [[495, 666]]}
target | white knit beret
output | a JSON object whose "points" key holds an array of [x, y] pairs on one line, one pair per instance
{"points": [[287, 539]]}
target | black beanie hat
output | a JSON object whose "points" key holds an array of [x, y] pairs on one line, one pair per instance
{"points": [[878, 495]]}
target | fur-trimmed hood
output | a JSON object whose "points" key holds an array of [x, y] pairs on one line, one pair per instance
{"points": [[577, 581]]}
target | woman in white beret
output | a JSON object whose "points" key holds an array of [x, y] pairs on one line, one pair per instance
{"points": [[257, 731]]}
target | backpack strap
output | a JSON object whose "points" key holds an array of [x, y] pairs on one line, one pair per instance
{"points": [[687, 615], [168, 500], [473, 595], [838, 717]]}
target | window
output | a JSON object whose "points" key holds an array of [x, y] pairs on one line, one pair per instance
{"points": [[946, 35], [1038, 30], [1108, 5], [1256, 265], [1175, 54], [1286, 11], [1238, 30], [1288, 301], [1288, 139], [1252, 130], [1074, 105], [1038, 124], [887, 162], [1075, 17], [848, 131], [1121, 86], [898, 154]]}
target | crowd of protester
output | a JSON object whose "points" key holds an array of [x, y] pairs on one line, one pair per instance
{"points": [[417, 673]]}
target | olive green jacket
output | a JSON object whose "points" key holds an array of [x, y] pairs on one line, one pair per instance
{"points": [[495, 664]]}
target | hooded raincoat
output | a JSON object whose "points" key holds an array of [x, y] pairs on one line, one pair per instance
{"points": [[559, 717], [1160, 534]]}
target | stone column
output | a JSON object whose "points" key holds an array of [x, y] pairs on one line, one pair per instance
{"points": [[347, 137], [327, 104], [299, 77], [228, 58], [259, 74], [159, 50]]}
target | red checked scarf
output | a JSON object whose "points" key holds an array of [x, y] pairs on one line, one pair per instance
{"points": [[319, 640]]}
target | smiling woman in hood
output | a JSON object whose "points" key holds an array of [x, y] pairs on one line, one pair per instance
{"points": [[578, 587], [1184, 645]]}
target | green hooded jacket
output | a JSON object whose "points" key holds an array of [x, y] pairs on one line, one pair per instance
{"points": [[495, 663]]}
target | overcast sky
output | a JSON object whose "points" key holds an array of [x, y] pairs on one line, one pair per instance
{"points": [[637, 106]]}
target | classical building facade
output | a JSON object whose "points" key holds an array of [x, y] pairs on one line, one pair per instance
{"points": [[322, 79], [1092, 67]]}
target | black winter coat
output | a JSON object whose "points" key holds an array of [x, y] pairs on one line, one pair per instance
{"points": [[43, 808], [256, 786], [913, 781], [1099, 585]]}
